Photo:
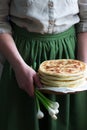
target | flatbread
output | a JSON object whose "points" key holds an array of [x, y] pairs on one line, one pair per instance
{"points": [[67, 83], [53, 77], [63, 67], [62, 73]]}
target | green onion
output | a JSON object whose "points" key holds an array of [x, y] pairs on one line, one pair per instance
{"points": [[51, 106]]}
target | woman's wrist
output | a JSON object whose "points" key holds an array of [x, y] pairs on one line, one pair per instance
{"points": [[82, 47]]}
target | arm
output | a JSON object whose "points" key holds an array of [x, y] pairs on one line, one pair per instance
{"points": [[82, 29], [82, 47], [25, 75]]}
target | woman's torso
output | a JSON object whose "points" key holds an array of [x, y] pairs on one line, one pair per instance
{"points": [[45, 16], [42, 16]]}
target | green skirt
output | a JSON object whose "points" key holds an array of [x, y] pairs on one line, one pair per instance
{"points": [[17, 109]]}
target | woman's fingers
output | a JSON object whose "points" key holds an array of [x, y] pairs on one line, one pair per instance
{"points": [[37, 81]]}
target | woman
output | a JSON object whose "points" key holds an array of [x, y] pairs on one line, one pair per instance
{"points": [[32, 31]]}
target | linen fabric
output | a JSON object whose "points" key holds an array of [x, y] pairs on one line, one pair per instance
{"points": [[49, 16]]}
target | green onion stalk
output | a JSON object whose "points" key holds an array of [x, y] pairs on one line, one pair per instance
{"points": [[40, 114], [51, 106]]}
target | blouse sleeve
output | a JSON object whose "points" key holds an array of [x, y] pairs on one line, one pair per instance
{"points": [[82, 26], [4, 16]]}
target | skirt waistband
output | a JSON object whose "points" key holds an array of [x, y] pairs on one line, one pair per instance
{"points": [[23, 32]]}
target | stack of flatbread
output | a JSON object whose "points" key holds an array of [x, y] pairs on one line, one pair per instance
{"points": [[62, 73]]}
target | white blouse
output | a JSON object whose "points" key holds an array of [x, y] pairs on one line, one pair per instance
{"points": [[43, 16]]}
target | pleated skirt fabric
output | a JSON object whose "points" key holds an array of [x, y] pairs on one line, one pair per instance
{"points": [[17, 109]]}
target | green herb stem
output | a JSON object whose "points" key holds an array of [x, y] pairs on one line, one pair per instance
{"points": [[42, 100], [45, 98]]}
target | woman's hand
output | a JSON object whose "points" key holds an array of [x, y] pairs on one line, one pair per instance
{"points": [[27, 78]]}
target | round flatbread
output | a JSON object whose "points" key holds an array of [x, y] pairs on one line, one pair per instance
{"points": [[62, 73], [71, 83], [63, 67], [63, 84], [62, 78]]}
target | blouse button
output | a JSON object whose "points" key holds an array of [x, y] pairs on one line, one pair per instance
{"points": [[51, 22], [50, 4]]}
